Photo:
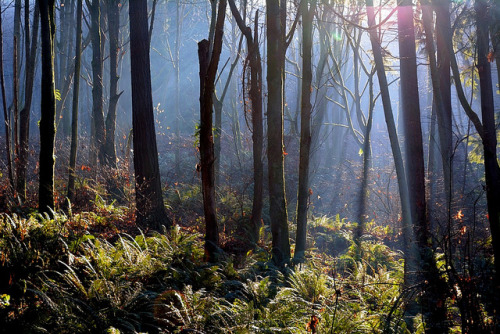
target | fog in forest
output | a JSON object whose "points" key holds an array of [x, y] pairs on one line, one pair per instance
{"points": [[384, 121]]}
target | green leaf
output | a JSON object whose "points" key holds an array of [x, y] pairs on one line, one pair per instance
{"points": [[360, 152]]}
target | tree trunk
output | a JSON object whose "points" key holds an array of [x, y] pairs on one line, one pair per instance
{"points": [[150, 210], [491, 168], [98, 136], [6, 113], [113, 14], [254, 61], [177, 90], [495, 35], [275, 149], [24, 120], [441, 94], [258, 132], [305, 129], [393, 138], [433, 300], [76, 92], [363, 192], [209, 62], [48, 108], [16, 70]]}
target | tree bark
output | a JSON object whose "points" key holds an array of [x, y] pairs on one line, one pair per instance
{"points": [[308, 9], [150, 210], [24, 120], [113, 14], [48, 109], [98, 135], [393, 137], [491, 168], [433, 299], [74, 112], [275, 145], [254, 62], [440, 77], [209, 62], [6, 113]]}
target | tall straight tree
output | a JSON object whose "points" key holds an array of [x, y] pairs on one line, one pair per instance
{"points": [[24, 115], [74, 112], [113, 14], [391, 129], [491, 168], [275, 117], [254, 62], [97, 138], [16, 64], [308, 9], [6, 113], [433, 299], [150, 210], [209, 56], [48, 108]]}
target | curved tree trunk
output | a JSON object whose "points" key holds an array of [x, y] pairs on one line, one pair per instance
{"points": [[393, 136]]}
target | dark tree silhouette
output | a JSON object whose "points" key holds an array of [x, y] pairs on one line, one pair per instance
{"points": [[150, 209], [275, 153], [433, 299], [305, 128], [24, 115], [97, 126], [48, 108], [209, 61], [74, 112]]}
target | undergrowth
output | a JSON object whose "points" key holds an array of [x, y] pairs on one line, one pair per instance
{"points": [[58, 277]]}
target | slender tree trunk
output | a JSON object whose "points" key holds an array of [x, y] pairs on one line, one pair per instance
{"points": [[6, 113], [258, 132], [275, 149], [24, 120], [491, 168], [177, 90], [113, 14], [308, 9], [16, 70], [433, 300], [98, 136], [209, 62], [495, 35], [441, 95], [76, 92], [363, 189], [48, 108], [393, 138], [254, 61], [150, 210]]}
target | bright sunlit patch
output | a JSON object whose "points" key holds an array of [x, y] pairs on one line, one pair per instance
{"points": [[336, 36]]}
